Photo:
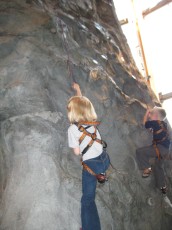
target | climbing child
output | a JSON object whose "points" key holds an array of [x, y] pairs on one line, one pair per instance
{"points": [[85, 140], [154, 120]]}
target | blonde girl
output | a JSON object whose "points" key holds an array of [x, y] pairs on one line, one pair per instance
{"points": [[81, 111]]}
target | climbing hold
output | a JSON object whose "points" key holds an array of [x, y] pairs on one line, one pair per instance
{"points": [[150, 201], [94, 74], [53, 30]]}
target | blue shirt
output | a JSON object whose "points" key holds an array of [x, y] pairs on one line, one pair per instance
{"points": [[156, 126]]}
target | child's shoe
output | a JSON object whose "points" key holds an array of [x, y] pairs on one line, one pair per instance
{"points": [[163, 190], [146, 172]]}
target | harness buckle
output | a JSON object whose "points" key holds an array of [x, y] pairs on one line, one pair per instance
{"points": [[81, 128], [93, 136], [104, 144]]}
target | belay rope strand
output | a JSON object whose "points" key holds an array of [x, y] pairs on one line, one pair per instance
{"points": [[66, 47]]}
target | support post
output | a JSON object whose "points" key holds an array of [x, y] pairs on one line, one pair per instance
{"points": [[163, 97], [140, 42], [156, 7]]}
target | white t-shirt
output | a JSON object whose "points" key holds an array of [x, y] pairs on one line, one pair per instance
{"points": [[73, 139]]}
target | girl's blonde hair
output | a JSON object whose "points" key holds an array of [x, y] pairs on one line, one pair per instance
{"points": [[80, 109]]}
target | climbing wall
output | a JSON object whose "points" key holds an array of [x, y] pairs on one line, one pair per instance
{"points": [[46, 45]]}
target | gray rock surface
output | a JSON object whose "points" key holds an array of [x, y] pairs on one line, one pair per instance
{"points": [[40, 178]]}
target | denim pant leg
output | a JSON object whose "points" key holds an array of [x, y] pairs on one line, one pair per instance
{"points": [[89, 214], [159, 173], [143, 156], [158, 168], [99, 164]]}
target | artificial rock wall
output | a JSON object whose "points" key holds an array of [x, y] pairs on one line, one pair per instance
{"points": [[45, 45]]}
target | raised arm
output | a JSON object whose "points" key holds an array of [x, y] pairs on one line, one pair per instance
{"points": [[76, 151], [146, 116], [77, 89]]}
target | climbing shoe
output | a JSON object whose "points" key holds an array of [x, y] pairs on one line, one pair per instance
{"points": [[146, 172], [101, 178], [163, 190]]}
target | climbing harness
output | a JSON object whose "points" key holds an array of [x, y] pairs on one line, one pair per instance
{"points": [[82, 127], [101, 178], [157, 151], [156, 141], [93, 136]]}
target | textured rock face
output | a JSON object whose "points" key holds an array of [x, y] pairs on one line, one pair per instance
{"points": [[40, 178]]}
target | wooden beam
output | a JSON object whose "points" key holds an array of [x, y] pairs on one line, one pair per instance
{"points": [[140, 40], [163, 97], [156, 7], [123, 21]]}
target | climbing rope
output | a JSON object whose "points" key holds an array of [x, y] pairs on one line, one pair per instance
{"points": [[122, 172], [66, 47], [143, 92]]}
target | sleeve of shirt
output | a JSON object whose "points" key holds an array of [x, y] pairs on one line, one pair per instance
{"points": [[149, 124], [73, 140]]}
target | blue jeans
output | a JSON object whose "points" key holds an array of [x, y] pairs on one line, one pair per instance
{"points": [[89, 215]]}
